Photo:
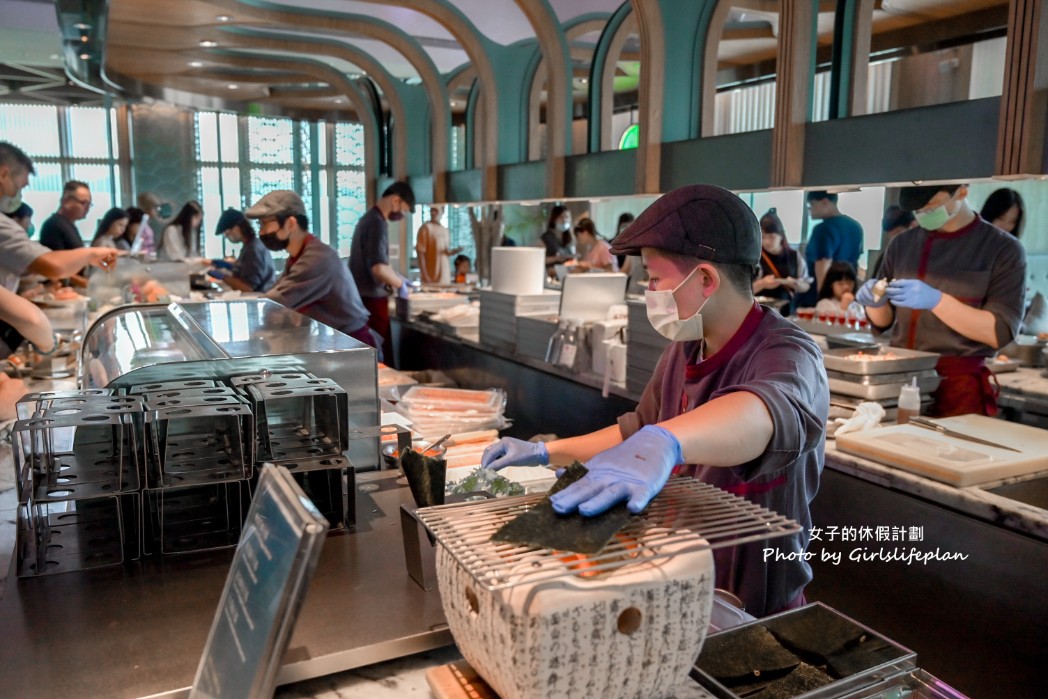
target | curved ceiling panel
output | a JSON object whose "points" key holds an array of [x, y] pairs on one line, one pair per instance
{"points": [[415, 23], [568, 10]]}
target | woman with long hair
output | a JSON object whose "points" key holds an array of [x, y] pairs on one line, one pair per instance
{"points": [[1004, 208], [179, 240], [784, 273], [111, 229], [557, 238]]}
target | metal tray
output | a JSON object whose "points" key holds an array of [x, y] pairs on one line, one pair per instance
{"points": [[908, 360], [904, 662], [876, 379], [926, 382]]}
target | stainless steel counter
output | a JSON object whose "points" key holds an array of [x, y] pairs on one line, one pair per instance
{"points": [[139, 630]]}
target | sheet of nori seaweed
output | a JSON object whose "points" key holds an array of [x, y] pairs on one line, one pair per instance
{"points": [[804, 678], [426, 477], [863, 657], [815, 630], [748, 652], [541, 526]]}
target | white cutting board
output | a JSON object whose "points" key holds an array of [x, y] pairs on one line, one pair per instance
{"points": [[951, 459]]}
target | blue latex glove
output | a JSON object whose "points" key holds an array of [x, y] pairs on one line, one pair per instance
{"points": [[218, 273], [865, 297], [514, 452], [221, 264], [913, 293], [634, 471], [405, 289]]}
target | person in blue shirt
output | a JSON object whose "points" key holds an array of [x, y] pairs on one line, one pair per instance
{"points": [[253, 269], [838, 238]]}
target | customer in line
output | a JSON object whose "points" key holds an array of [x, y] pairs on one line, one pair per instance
{"points": [[59, 231], [18, 254], [957, 286], [153, 228], [1005, 209], [837, 238], [784, 272], [369, 259], [253, 269], [557, 238], [179, 241], [111, 230], [315, 282], [729, 363], [598, 257]]}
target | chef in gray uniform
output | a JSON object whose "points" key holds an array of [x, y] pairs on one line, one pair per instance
{"points": [[739, 399]]}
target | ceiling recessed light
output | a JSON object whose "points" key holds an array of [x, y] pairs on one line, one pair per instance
{"points": [[233, 86], [85, 56], [85, 39], [583, 80], [339, 100], [196, 64], [208, 44], [82, 26], [224, 18]]}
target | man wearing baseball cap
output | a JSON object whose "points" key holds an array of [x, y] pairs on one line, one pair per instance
{"points": [[739, 399], [314, 282], [956, 288], [253, 269]]}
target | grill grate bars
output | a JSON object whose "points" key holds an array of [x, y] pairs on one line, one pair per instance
{"points": [[685, 508]]}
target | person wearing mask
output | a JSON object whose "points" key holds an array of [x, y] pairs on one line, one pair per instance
{"points": [[837, 238], [18, 254], [152, 229], [433, 247], [369, 259], [598, 257], [956, 288], [253, 269], [838, 292], [23, 216], [557, 238], [896, 220], [730, 362], [463, 267], [784, 273], [179, 241], [1004, 208], [111, 230], [315, 282]]}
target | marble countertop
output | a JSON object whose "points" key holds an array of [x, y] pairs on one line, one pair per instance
{"points": [[971, 500]]}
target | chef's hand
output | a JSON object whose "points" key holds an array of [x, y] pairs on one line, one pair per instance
{"points": [[222, 264], [634, 471], [514, 452], [913, 293], [405, 289], [865, 295]]}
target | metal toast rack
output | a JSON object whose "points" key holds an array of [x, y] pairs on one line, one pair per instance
{"points": [[167, 468], [687, 515]]}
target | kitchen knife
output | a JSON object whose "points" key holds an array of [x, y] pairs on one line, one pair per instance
{"points": [[941, 429]]}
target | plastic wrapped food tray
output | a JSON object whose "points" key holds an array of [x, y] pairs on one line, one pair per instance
{"points": [[453, 400], [847, 360]]}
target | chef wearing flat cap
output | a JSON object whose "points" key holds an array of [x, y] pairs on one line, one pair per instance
{"points": [[956, 288], [739, 399]]}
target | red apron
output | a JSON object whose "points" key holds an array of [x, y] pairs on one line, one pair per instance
{"points": [[965, 388]]}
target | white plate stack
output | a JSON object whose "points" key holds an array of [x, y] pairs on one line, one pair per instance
{"points": [[644, 346], [499, 311]]}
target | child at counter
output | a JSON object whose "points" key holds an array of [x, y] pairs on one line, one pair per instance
{"points": [[463, 266], [837, 296]]}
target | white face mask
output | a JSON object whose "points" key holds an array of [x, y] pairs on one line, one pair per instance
{"points": [[663, 315], [9, 205], [564, 226]]}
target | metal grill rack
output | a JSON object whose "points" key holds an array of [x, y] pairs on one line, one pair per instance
{"points": [[685, 508]]}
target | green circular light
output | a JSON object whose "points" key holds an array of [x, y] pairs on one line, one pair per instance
{"points": [[630, 137]]}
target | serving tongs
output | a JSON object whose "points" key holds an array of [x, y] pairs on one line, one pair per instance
{"points": [[943, 430]]}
